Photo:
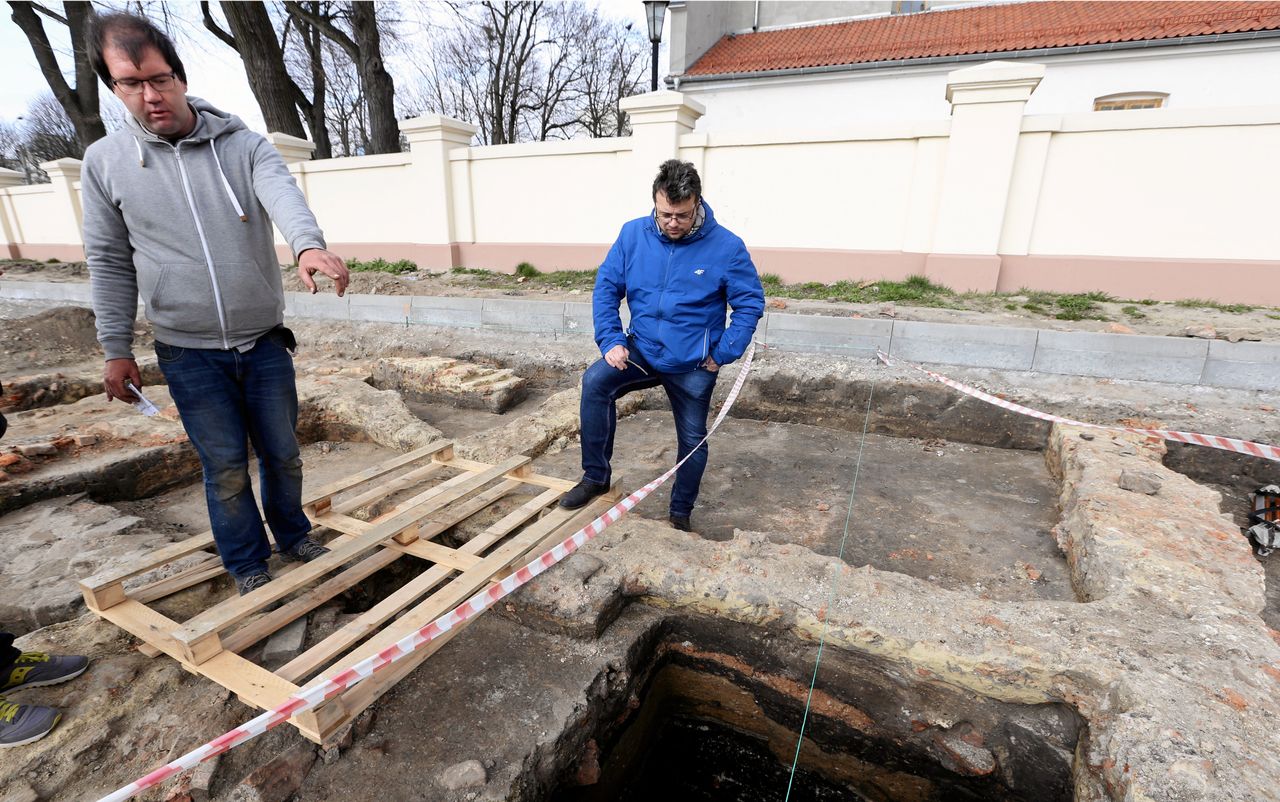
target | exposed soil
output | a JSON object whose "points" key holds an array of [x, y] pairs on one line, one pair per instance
{"points": [[937, 528]]}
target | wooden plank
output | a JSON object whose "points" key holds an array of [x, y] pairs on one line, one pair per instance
{"points": [[366, 693], [392, 486], [366, 623], [251, 682], [246, 636], [212, 621], [332, 489], [466, 584], [550, 482], [157, 559], [180, 581]]}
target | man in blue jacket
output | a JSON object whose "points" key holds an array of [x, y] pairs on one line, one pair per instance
{"points": [[678, 269]]}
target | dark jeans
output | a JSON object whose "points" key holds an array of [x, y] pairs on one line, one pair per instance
{"points": [[690, 395], [8, 654], [226, 399]]}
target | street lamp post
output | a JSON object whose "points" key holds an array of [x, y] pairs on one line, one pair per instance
{"points": [[654, 11]]}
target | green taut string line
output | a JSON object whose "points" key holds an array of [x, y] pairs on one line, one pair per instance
{"points": [[848, 515]]}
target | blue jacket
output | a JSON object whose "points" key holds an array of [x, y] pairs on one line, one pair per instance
{"points": [[677, 291]]}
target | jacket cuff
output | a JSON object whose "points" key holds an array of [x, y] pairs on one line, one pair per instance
{"points": [[604, 349], [117, 348], [306, 243]]}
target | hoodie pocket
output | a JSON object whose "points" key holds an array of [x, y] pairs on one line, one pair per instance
{"points": [[180, 297], [251, 303]]}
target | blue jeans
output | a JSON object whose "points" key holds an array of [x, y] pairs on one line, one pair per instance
{"points": [[690, 395], [227, 399]]}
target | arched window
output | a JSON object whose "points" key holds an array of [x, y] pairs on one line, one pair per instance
{"points": [[1122, 101]]}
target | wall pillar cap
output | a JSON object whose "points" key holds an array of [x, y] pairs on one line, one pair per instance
{"points": [[437, 128], [65, 166], [663, 107], [994, 82], [291, 148], [11, 178]]}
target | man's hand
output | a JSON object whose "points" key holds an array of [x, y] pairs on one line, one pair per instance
{"points": [[318, 260], [710, 364], [618, 356], [113, 378]]}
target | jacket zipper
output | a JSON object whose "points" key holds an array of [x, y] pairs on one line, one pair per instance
{"points": [[706, 339], [666, 274], [204, 243]]}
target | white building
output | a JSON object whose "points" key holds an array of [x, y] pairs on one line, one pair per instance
{"points": [[772, 65]]}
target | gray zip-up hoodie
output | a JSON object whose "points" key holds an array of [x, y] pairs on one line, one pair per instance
{"points": [[187, 226]]}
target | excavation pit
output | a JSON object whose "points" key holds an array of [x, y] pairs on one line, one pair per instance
{"points": [[709, 726]]}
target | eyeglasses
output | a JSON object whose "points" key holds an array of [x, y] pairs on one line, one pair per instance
{"points": [[133, 86], [676, 217]]}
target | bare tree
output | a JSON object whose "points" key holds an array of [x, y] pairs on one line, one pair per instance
{"points": [[304, 48], [613, 69], [363, 45], [79, 103], [253, 36], [533, 70]]}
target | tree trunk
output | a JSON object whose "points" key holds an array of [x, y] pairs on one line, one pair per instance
{"points": [[379, 89], [318, 124], [80, 103], [275, 91]]}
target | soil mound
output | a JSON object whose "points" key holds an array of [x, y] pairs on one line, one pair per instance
{"points": [[54, 337]]}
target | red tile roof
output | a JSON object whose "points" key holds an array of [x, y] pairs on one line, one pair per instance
{"points": [[981, 29]]}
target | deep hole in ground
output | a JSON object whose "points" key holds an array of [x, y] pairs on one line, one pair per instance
{"points": [[706, 725]]}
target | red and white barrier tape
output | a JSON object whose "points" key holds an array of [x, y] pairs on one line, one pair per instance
{"points": [[331, 686], [1212, 441]]}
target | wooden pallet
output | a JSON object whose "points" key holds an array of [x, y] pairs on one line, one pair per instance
{"points": [[446, 490]]}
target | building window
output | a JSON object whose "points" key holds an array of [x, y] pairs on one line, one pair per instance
{"points": [[1130, 100], [908, 6]]}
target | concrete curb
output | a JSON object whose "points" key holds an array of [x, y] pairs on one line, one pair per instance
{"points": [[1171, 360]]}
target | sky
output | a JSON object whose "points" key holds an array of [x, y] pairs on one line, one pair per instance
{"points": [[214, 71]]}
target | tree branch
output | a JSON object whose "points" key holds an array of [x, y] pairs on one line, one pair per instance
{"points": [[324, 25], [212, 24], [49, 13]]}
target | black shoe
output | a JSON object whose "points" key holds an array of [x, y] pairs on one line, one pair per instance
{"points": [[581, 493], [680, 522]]}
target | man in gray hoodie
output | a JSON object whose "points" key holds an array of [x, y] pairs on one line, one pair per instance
{"points": [[178, 208]]}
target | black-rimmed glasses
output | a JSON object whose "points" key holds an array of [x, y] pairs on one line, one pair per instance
{"points": [[133, 86]]}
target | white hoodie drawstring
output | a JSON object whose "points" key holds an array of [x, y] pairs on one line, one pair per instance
{"points": [[142, 160], [226, 186]]}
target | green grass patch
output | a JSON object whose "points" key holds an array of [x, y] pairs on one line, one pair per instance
{"points": [[526, 270], [915, 290], [471, 271], [1204, 303], [1133, 312], [567, 279], [395, 268], [1011, 307], [770, 280], [1080, 306]]}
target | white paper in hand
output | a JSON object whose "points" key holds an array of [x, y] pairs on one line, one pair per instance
{"points": [[143, 404]]}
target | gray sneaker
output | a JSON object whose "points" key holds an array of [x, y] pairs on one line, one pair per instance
{"points": [[36, 669], [304, 551], [21, 724], [250, 583]]}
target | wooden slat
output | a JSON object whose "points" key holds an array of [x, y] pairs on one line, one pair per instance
{"points": [[157, 559], [538, 479], [381, 469], [180, 581], [215, 620], [366, 623], [251, 682], [391, 487], [364, 695], [466, 584], [246, 636]]}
